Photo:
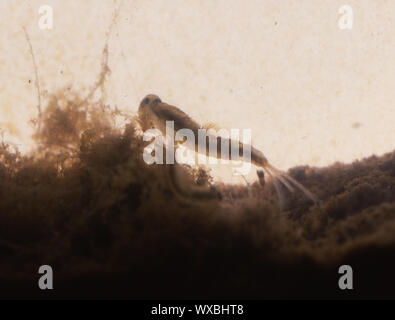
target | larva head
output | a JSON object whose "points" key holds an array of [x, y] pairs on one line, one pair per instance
{"points": [[146, 110]]}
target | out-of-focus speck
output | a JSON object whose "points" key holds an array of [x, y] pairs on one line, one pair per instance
{"points": [[275, 23], [30, 81], [356, 125]]}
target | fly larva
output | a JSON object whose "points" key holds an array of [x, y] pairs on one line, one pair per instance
{"points": [[153, 113]]}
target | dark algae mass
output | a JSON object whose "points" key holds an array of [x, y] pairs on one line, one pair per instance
{"points": [[111, 226]]}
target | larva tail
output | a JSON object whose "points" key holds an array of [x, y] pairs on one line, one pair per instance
{"points": [[288, 181], [279, 191]]}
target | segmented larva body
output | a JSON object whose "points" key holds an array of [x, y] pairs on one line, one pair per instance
{"points": [[153, 113]]}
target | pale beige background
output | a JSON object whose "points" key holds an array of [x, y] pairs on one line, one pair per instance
{"points": [[310, 92]]}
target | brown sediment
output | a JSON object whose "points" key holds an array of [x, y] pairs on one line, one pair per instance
{"points": [[87, 204]]}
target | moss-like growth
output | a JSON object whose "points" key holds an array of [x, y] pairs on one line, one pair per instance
{"points": [[111, 226]]}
